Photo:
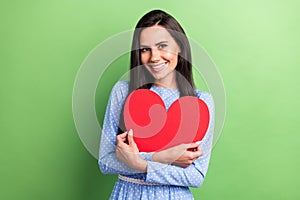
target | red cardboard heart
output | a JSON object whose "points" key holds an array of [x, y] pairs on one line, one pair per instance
{"points": [[154, 129]]}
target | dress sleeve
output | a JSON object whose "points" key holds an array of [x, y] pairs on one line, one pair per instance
{"points": [[108, 162], [192, 176]]}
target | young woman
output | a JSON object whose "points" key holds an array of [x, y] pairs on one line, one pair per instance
{"points": [[160, 62]]}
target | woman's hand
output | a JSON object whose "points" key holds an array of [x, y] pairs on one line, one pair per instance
{"points": [[129, 153], [189, 156], [180, 155]]}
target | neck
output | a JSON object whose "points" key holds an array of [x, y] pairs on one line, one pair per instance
{"points": [[168, 82]]}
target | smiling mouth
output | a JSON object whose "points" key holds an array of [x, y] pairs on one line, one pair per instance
{"points": [[158, 67]]}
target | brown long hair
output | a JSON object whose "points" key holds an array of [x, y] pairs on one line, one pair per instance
{"points": [[140, 78]]}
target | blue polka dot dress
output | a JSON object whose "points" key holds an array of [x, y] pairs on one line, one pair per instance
{"points": [[162, 181]]}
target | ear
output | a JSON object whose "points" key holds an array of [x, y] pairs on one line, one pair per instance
{"points": [[179, 49]]}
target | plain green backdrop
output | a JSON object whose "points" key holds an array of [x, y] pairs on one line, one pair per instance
{"points": [[255, 45]]}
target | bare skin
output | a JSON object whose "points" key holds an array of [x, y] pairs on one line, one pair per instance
{"points": [[179, 155], [129, 153]]}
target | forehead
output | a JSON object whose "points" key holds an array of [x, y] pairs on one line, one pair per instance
{"points": [[154, 34]]}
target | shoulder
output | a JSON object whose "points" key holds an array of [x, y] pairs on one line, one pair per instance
{"points": [[120, 90], [205, 96], [121, 86]]}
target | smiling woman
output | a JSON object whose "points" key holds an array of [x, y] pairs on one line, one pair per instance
{"points": [[160, 62], [159, 53]]}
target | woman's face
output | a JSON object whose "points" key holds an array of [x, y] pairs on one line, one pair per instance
{"points": [[159, 54]]}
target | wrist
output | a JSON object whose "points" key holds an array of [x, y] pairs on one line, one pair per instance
{"points": [[141, 165], [160, 157], [156, 157]]}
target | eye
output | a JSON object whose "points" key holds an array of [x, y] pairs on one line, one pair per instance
{"points": [[161, 46], [144, 49]]}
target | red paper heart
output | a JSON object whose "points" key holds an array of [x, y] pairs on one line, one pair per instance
{"points": [[154, 129]]}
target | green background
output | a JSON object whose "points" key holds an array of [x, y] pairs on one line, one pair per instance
{"points": [[255, 45]]}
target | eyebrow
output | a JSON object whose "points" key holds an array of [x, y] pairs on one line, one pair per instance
{"points": [[161, 42]]}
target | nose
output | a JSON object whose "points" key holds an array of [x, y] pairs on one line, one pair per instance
{"points": [[155, 55]]}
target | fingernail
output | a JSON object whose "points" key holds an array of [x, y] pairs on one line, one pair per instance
{"points": [[130, 132]]}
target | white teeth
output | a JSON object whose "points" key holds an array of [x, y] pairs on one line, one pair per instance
{"points": [[158, 66]]}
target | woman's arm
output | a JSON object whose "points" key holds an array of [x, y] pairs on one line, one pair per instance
{"points": [[194, 174], [128, 152], [164, 173], [161, 171], [108, 162], [182, 155], [156, 172]]}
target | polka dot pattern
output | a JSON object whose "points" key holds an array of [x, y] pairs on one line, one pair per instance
{"points": [[175, 180]]}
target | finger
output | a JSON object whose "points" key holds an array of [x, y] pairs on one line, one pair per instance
{"points": [[199, 148], [121, 138], [193, 154], [122, 135], [130, 137], [198, 153], [181, 147], [194, 145]]}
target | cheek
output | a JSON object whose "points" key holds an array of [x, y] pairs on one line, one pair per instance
{"points": [[144, 58], [170, 54], [172, 57]]}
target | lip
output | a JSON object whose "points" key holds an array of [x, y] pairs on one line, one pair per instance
{"points": [[158, 67]]}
